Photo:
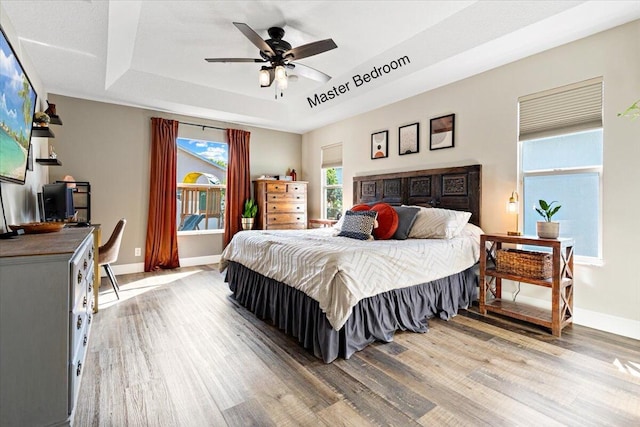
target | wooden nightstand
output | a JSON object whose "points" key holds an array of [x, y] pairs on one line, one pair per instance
{"points": [[561, 282]]}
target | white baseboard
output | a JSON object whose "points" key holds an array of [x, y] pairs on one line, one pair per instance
{"points": [[138, 267], [591, 319]]}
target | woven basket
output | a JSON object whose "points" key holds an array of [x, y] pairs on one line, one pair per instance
{"points": [[534, 265]]}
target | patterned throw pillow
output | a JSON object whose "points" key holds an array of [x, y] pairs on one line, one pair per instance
{"points": [[434, 223], [358, 225]]}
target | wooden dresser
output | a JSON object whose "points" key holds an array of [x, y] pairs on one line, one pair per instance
{"points": [[46, 306], [281, 204]]}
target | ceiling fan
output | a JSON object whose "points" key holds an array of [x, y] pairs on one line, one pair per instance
{"points": [[280, 56]]}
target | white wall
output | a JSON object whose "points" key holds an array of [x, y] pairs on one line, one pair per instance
{"points": [[485, 105], [20, 204]]}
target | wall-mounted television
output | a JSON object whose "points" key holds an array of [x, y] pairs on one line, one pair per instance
{"points": [[17, 109]]}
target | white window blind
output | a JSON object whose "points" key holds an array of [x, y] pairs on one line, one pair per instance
{"points": [[332, 156], [566, 109]]}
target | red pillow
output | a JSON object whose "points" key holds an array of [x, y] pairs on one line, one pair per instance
{"points": [[387, 221], [361, 207]]}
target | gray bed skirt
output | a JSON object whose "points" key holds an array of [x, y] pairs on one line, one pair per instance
{"points": [[373, 319]]}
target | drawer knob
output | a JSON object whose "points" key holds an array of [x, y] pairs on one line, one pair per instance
{"points": [[86, 264], [89, 319], [85, 340], [298, 197], [90, 287], [84, 301], [79, 323], [90, 254], [79, 277], [79, 369], [298, 207]]}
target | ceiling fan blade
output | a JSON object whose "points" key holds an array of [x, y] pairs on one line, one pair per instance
{"points": [[311, 73], [309, 49], [254, 38], [233, 60]]}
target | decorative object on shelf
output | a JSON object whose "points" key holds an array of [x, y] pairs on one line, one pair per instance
{"points": [[51, 111], [547, 229], [442, 132], [249, 214], [52, 153], [513, 207], [41, 119], [380, 144], [294, 175], [409, 139]]}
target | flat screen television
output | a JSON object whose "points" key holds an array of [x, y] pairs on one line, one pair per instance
{"points": [[57, 202], [17, 109]]}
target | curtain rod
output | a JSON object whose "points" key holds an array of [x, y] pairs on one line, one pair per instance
{"points": [[201, 126]]}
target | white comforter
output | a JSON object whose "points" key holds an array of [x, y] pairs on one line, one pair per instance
{"points": [[338, 272]]}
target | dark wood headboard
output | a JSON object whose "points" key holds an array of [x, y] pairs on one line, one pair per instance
{"points": [[457, 188]]}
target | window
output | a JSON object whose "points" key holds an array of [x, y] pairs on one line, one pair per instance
{"points": [[202, 176], [561, 149], [332, 192], [331, 181]]}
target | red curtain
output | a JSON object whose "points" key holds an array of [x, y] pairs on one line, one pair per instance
{"points": [[238, 181], [162, 237]]}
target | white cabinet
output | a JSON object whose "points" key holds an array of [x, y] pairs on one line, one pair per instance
{"points": [[46, 306]]}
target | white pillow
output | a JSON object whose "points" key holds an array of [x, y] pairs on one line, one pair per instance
{"points": [[435, 223]]}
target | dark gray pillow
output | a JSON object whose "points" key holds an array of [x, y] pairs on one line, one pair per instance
{"points": [[406, 217]]}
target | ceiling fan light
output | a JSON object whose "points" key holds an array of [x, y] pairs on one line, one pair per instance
{"points": [[283, 83], [280, 73], [264, 78]]}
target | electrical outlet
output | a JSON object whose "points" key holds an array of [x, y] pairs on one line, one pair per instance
{"points": [[138, 252]]}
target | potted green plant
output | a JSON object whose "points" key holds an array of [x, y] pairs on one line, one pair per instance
{"points": [[547, 229], [249, 214]]}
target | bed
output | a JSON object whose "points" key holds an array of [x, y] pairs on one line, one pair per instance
{"points": [[337, 295]]}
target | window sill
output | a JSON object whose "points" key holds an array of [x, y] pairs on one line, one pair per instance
{"points": [[199, 232]]}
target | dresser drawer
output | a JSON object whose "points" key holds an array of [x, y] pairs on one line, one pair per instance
{"points": [[292, 196], [283, 187], [285, 207], [286, 219], [81, 270]]}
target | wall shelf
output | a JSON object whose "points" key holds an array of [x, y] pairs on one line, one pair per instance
{"points": [[42, 132], [49, 162]]}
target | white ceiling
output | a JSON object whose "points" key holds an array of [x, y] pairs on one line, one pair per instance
{"points": [[151, 53]]}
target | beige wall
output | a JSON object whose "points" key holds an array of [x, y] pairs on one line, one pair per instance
{"points": [[108, 145], [486, 132]]}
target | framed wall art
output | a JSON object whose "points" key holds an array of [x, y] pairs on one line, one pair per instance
{"points": [[408, 139], [380, 144], [442, 132]]}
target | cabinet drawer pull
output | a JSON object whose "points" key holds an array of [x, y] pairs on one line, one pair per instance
{"points": [[79, 277], [78, 369], [85, 340], [91, 254], [298, 207], [79, 323], [90, 287], [84, 301], [86, 264], [89, 319], [298, 197]]}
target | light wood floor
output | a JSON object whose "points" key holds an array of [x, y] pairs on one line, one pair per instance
{"points": [[178, 351]]}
